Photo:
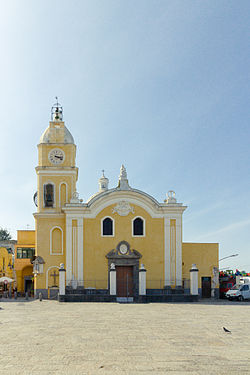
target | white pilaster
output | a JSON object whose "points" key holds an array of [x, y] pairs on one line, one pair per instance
{"points": [[80, 249], [142, 281], [112, 280], [166, 251], [194, 280], [178, 252], [68, 250], [62, 280], [74, 253]]}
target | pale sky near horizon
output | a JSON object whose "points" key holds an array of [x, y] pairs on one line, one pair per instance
{"points": [[160, 86]]}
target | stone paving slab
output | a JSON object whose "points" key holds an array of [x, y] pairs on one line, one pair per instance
{"points": [[49, 337]]}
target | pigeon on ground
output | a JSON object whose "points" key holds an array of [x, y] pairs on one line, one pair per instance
{"points": [[226, 330]]}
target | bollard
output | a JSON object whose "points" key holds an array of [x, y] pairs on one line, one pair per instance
{"points": [[27, 296], [40, 296], [15, 295]]}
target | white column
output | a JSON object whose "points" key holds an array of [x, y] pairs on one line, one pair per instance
{"points": [[142, 281], [194, 280], [167, 251], [62, 272], [80, 250], [112, 280], [178, 254], [68, 249]]}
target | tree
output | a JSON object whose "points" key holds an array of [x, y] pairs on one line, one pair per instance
{"points": [[4, 234]]}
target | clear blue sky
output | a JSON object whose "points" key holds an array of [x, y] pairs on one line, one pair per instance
{"points": [[161, 86]]}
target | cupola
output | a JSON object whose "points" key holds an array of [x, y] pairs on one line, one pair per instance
{"points": [[57, 131], [103, 183]]}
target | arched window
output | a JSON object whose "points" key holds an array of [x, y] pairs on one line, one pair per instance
{"points": [[107, 227], [56, 241], [48, 195], [138, 227]]}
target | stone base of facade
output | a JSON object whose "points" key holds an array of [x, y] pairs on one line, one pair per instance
{"points": [[86, 298], [163, 298], [43, 291], [139, 299], [102, 295]]}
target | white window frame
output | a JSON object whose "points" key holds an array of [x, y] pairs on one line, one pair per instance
{"points": [[113, 222], [51, 232], [144, 227]]}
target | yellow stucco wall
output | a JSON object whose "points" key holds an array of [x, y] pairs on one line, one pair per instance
{"points": [[43, 228], [151, 246], [25, 237], [204, 255], [5, 260], [69, 151]]}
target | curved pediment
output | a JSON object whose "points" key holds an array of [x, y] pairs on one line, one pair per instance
{"points": [[123, 251], [124, 201]]}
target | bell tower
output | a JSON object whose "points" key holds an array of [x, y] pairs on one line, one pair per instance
{"points": [[56, 183], [56, 170]]}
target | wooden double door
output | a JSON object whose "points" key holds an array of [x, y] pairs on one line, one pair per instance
{"points": [[124, 281]]}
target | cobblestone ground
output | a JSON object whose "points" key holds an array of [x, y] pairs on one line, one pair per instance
{"points": [[105, 338]]}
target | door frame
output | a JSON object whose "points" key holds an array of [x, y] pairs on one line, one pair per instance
{"points": [[131, 258], [206, 277]]}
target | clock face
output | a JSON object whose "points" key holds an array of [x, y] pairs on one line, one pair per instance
{"points": [[56, 156], [123, 249]]}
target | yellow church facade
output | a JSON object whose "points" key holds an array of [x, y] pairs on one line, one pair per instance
{"points": [[119, 228]]}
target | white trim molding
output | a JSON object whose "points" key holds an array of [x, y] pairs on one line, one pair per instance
{"points": [[144, 226], [51, 234], [113, 227], [56, 172], [80, 248], [102, 200], [63, 183], [68, 249]]}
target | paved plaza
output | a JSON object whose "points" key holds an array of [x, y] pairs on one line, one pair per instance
{"points": [[105, 338]]}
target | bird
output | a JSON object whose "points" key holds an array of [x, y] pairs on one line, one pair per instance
{"points": [[226, 330]]}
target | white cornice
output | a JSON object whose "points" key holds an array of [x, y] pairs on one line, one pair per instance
{"points": [[48, 214], [56, 172]]}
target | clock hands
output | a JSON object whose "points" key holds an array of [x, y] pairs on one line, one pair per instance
{"points": [[58, 157]]}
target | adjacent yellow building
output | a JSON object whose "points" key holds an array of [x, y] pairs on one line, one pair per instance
{"points": [[24, 253], [6, 262], [122, 226]]}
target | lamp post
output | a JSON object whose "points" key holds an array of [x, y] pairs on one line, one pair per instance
{"points": [[229, 256]]}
